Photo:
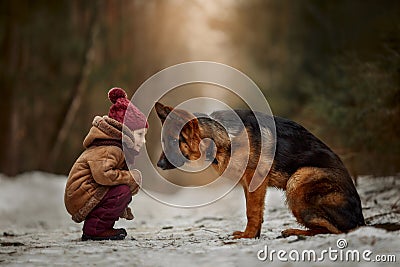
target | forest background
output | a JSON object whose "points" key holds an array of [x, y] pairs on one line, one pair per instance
{"points": [[333, 66]]}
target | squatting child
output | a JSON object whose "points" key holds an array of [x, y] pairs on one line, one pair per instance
{"points": [[100, 186]]}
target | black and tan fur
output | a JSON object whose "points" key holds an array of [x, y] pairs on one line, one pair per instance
{"points": [[319, 189]]}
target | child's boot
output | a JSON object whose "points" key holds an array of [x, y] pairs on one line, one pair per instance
{"points": [[112, 234]]}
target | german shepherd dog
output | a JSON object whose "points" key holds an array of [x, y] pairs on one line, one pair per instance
{"points": [[319, 189]]}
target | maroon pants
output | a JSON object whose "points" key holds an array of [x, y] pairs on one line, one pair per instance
{"points": [[107, 212]]}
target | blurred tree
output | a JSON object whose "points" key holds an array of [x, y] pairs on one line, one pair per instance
{"points": [[42, 44], [55, 78], [331, 65], [352, 79], [72, 106], [334, 67]]}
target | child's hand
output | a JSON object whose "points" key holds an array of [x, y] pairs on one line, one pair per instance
{"points": [[127, 214], [137, 176]]}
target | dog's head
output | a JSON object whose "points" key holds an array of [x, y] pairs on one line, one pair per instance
{"points": [[180, 137]]}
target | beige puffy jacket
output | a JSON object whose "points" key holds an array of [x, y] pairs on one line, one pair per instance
{"points": [[97, 169]]}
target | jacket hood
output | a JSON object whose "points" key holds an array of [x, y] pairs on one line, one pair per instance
{"points": [[108, 128]]}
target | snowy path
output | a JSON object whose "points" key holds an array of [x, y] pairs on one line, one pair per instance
{"points": [[35, 230]]}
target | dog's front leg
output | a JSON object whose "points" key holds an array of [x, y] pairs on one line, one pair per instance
{"points": [[254, 211]]}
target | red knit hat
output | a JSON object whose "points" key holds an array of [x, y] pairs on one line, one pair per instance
{"points": [[122, 109]]}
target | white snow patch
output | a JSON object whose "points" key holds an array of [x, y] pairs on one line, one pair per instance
{"points": [[39, 232]]}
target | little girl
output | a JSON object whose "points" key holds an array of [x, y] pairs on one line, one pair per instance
{"points": [[100, 186]]}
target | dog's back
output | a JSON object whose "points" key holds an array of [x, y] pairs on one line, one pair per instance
{"points": [[296, 147]]}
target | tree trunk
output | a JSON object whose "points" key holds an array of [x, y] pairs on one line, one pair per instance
{"points": [[9, 114], [75, 100]]}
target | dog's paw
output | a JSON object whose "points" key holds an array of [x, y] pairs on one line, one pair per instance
{"points": [[237, 234], [240, 234], [290, 232], [287, 233]]}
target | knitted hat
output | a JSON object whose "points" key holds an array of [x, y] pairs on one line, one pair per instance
{"points": [[122, 109]]}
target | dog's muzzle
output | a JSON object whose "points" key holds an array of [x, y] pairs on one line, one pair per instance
{"points": [[164, 164]]}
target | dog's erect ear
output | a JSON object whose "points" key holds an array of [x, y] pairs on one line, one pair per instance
{"points": [[162, 111]]}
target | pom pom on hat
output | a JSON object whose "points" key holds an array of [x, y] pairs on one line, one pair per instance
{"points": [[134, 118], [115, 93]]}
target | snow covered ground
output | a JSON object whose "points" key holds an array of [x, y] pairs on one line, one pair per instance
{"points": [[35, 230]]}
